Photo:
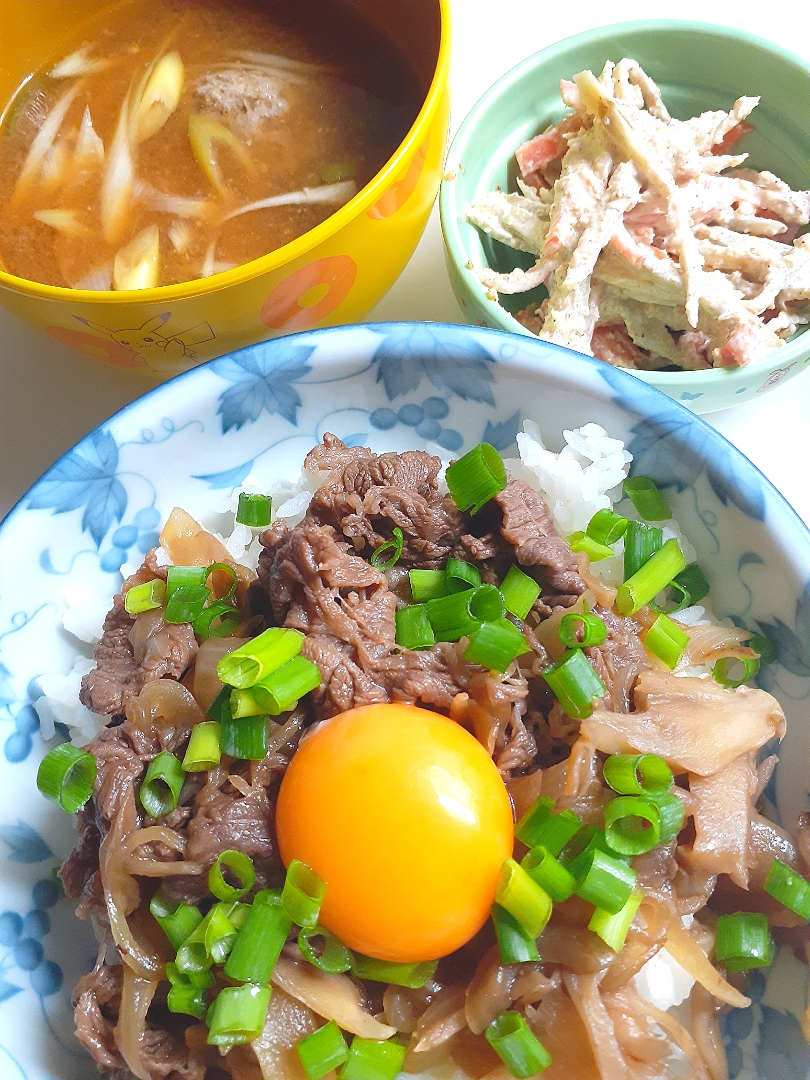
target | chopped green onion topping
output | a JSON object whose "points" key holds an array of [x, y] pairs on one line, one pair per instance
{"points": [[281, 691], [519, 592], [476, 477], [666, 640], [260, 940], [580, 541], [206, 625], [523, 898], [495, 645], [259, 657], [632, 825], [689, 587], [303, 894], [651, 578], [239, 866], [254, 510], [540, 826], [574, 683], [245, 738], [186, 603], [612, 929], [177, 919], [460, 575], [516, 946], [370, 1059], [602, 880], [427, 584], [220, 930], [189, 1000], [241, 704], [606, 527], [581, 631], [672, 813], [66, 775], [577, 851], [210, 941], [389, 553], [203, 980], [145, 597], [203, 751], [220, 708], [322, 1051], [733, 671], [640, 543], [162, 785], [516, 1045], [549, 874], [788, 888], [387, 971], [228, 570], [765, 647], [332, 956], [637, 774], [643, 493], [458, 614], [413, 629], [743, 941], [238, 1014], [181, 577]]}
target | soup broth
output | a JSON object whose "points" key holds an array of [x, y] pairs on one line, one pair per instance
{"points": [[178, 139]]}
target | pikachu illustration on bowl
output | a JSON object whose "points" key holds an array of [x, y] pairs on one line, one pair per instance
{"points": [[163, 353]]}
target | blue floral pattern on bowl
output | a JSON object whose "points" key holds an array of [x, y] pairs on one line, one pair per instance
{"points": [[391, 386]]}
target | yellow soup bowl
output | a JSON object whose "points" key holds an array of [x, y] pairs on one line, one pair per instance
{"points": [[333, 274]]}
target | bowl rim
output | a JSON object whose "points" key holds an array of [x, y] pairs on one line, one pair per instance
{"points": [[712, 440], [731, 379], [248, 271]]}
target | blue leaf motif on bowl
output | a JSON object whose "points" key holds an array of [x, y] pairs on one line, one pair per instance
{"points": [[782, 1053], [653, 456], [85, 477], [404, 358], [502, 435], [792, 646], [262, 382], [24, 843]]}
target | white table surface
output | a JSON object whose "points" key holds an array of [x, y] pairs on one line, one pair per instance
{"points": [[50, 397]]}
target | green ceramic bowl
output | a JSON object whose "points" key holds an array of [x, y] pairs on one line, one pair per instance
{"points": [[698, 67]]}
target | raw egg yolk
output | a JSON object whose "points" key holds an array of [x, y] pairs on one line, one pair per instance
{"points": [[405, 817]]}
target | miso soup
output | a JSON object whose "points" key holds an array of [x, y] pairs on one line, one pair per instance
{"points": [[176, 139]]}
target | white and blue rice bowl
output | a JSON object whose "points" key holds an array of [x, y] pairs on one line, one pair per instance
{"points": [[391, 386]]}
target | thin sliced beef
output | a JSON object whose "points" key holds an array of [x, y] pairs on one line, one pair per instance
{"points": [[226, 820], [528, 526], [367, 495], [96, 1001], [346, 608], [619, 659], [122, 670]]}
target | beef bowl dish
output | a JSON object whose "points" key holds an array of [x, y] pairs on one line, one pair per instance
{"points": [[416, 706]]}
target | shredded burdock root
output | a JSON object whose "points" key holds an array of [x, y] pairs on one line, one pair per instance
{"points": [[656, 248]]}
